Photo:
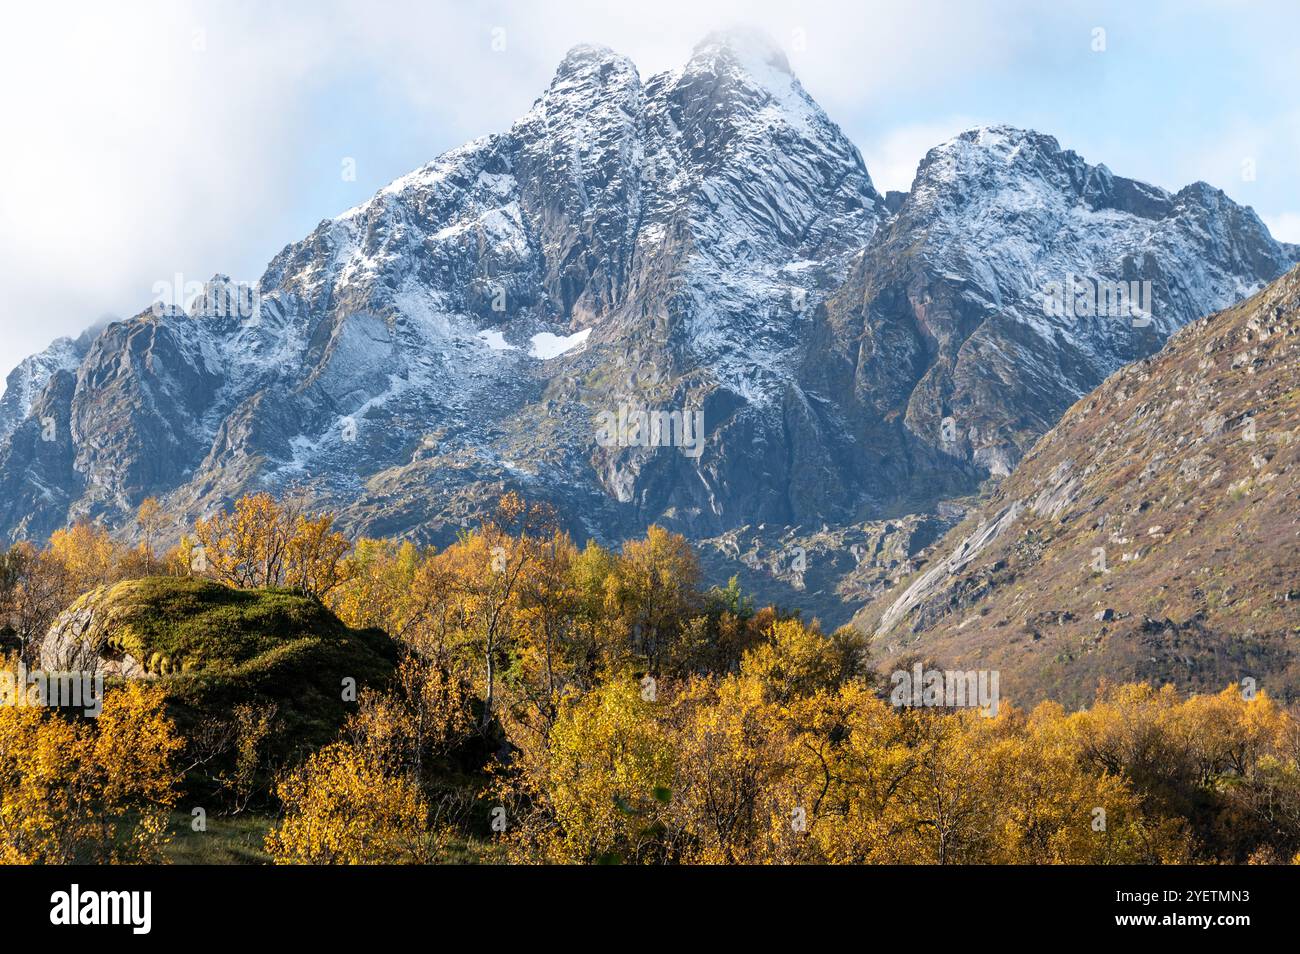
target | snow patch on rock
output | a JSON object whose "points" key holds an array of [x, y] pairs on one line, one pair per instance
{"points": [[495, 340], [546, 345]]}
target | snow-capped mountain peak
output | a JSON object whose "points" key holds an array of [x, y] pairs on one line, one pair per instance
{"points": [[704, 240], [750, 50]]}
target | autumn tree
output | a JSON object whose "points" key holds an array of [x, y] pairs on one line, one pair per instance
{"points": [[89, 555], [469, 594], [795, 660], [343, 806], [150, 520], [605, 778], [655, 591], [261, 543], [556, 648], [378, 586], [87, 790], [230, 752], [616, 710], [734, 800], [35, 586]]}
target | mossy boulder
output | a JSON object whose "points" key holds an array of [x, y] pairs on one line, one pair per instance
{"points": [[212, 647]]}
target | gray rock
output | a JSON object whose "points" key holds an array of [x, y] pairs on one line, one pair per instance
{"points": [[79, 640], [704, 239]]}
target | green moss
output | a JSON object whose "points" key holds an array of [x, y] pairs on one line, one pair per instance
{"points": [[212, 647], [177, 621]]}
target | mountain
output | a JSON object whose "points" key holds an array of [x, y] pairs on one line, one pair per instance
{"points": [[704, 242], [26, 382], [1153, 534]]}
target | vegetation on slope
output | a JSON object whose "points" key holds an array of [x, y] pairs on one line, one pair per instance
{"points": [[551, 703], [1153, 534]]}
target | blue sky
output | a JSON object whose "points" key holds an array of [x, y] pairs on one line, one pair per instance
{"points": [[149, 139]]}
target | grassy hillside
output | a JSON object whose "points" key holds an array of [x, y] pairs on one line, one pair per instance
{"points": [[1154, 534]]}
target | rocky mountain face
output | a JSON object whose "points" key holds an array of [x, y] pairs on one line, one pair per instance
{"points": [[827, 573], [1154, 533], [704, 248], [26, 382], [939, 354]]}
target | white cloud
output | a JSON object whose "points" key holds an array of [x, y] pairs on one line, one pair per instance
{"points": [[893, 156], [140, 141], [1285, 227], [151, 138]]}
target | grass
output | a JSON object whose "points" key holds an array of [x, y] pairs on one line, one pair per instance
{"points": [[239, 840], [227, 841], [182, 624]]}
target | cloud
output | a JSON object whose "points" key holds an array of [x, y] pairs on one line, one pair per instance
{"points": [[892, 157], [1285, 227], [142, 141], [152, 138]]}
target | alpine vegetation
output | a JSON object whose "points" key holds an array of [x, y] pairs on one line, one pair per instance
{"points": [[639, 484]]}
